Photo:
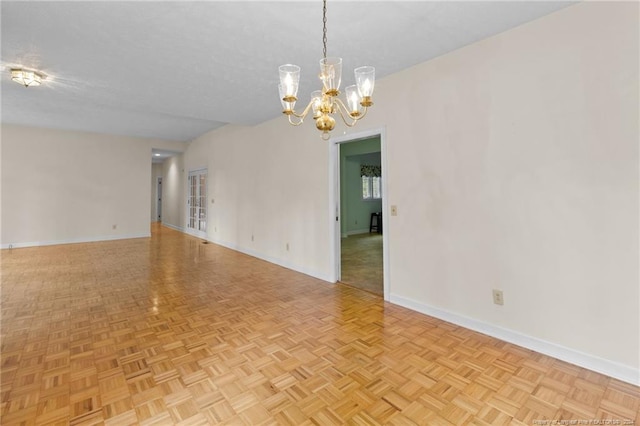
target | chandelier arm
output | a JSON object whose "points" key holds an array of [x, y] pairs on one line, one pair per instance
{"points": [[294, 123], [340, 106], [364, 112], [305, 111], [359, 117]]}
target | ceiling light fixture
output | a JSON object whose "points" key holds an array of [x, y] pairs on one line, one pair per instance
{"points": [[326, 102], [27, 78]]}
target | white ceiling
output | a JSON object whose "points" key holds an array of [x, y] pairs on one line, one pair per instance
{"points": [[175, 70]]}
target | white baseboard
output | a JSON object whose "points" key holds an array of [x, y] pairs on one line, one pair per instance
{"points": [[357, 232], [72, 241], [613, 369], [277, 261], [177, 228]]}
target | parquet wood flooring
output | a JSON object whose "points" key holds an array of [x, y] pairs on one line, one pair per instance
{"points": [[168, 330]]}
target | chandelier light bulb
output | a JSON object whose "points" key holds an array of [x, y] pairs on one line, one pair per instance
{"points": [[288, 84], [316, 103], [353, 100], [331, 75], [365, 80], [289, 79], [287, 107]]}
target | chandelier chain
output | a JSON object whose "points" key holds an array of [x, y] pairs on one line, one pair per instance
{"points": [[324, 29]]}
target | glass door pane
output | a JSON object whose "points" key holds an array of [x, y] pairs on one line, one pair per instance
{"points": [[202, 202], [197, 202]]}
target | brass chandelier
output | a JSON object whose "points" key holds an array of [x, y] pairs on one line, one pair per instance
{"points": [[325, 102]]}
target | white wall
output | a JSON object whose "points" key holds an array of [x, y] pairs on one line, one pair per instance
{"points": [[524, 150], [269, 182], [513, 163], [174, 185], [65, 186]]}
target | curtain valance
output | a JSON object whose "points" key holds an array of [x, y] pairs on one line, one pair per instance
{"points": [[370, 170]]}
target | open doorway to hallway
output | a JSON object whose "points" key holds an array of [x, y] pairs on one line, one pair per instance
{"points": [[361, 230], [159, 199]]}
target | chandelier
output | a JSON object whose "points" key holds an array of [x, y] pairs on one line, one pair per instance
{"points": [[26, 77], [325, 102]]}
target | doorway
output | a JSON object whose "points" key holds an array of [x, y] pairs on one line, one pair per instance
{"points": [[197, 203], [159, 200], [358, 201]]}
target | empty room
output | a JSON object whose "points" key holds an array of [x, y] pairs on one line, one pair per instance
{"points": [[320, 213]]}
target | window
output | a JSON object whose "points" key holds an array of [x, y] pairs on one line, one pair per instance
{"points": [[371, 182], [376, 184]]}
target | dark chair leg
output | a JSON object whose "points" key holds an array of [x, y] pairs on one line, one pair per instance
{"points": [[375, 223]]}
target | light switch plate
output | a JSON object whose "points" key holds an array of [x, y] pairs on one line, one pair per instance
{"points": [[394, 210]]}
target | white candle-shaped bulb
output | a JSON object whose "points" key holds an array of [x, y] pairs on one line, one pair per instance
{"points": [[365, 79], [289, 80], [366, 86], [353, 99], [316, 99], [288, 85]]}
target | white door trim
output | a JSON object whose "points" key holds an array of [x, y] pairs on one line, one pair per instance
{"points": [[159, 195], [334, 203]]}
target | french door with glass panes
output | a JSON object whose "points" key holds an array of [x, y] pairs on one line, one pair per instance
{"points": [[197, 203]]}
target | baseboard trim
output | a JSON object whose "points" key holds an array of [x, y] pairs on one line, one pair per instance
{"points": [[258, 255], [274, 260], [4, 246], [357, 232], [174, 227], [613, 369]]}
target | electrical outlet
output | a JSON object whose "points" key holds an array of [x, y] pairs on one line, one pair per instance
{"points": [[287, 246], [252, 238], [497, 297], [114, 227]]}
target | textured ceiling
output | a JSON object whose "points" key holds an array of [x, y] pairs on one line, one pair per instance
{"points": [[175, 70]]}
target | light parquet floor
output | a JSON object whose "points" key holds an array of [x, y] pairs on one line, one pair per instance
{"points": [[168, 330]]}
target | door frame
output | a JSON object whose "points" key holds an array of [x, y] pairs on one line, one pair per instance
{"points": [[334, 203], [200, 234], [159, 194]]}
